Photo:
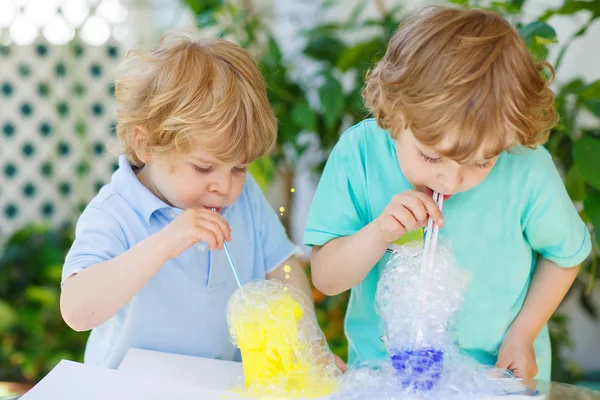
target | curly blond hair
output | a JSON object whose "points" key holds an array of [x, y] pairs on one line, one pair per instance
{"points": [[464, 72], [193, 89]]}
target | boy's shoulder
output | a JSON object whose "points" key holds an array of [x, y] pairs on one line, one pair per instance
{"points": [[365, 132], [110, 203], [529, 162], [364, 141]]}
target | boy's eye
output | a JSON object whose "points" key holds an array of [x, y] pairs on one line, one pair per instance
{"points": [[485, 165], [202, 169], [240, 169], [429, 159]]}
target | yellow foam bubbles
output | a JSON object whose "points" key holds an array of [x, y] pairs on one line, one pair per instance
{"points": [[284, 352]]}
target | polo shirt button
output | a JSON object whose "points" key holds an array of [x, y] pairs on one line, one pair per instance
{"points": [[171, 213]]}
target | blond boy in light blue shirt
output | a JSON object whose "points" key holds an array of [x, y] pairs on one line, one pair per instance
{"points": [[147, 269]]}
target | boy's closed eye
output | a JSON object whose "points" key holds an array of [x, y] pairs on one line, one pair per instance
{"points": [[434, 160], [207, 169], [202, 168]]}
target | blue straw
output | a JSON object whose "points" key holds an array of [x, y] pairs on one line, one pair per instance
{"points": [[233, 268]]}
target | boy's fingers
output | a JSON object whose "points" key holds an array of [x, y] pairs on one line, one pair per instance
{"points": [[416, 207], [209, 237], [431, 208], [219, 222], [214, 230], [340, 364], [395, 225], [503, 362]]}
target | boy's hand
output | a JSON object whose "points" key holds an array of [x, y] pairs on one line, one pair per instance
{"points": [[192, 226], [406, 212], [340, 364], [517, 354]]}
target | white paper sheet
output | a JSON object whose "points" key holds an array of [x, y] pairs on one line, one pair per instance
{"points": [[74, 381], [148, 375], [203, 372], [184, 370]]}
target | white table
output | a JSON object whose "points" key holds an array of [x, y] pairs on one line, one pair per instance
{"points": [[152, 375]]}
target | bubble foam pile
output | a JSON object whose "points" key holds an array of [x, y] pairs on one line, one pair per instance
{"points": [[284, 352], [423, 361]]}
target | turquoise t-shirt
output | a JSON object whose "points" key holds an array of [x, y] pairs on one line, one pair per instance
{"points": [[497, 229]]}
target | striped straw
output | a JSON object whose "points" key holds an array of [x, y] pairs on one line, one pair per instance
{"points": [[427, 263]]}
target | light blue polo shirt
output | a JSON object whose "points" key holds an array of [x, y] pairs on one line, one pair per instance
{"points": [[182, 309], [497, 229]]}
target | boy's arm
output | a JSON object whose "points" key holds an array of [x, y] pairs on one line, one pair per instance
{"points": [[93, 295], [344, 262], [101, 275], [549, 286]]}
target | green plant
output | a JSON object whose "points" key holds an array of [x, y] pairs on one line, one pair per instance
{"points": [[33, 336]]}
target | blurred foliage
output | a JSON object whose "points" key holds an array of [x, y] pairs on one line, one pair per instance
{"points": [[33, 336]]}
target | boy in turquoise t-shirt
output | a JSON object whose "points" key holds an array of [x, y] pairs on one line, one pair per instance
{"points": [[460, 108]]}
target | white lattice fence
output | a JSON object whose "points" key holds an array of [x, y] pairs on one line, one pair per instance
{"points": [[57, 114]]}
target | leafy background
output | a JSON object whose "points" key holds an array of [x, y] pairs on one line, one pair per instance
{"points": [[33, 337]]}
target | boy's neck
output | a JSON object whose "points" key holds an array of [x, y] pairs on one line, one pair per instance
{"points": [[144, 178]]}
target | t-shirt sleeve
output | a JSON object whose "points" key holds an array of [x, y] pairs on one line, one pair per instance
{"points": [[98, 238], [276, 245], [339, 201], [553, 227]]}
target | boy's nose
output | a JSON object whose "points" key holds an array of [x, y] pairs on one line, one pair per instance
{"points": [[451, 181], [221, 185]]}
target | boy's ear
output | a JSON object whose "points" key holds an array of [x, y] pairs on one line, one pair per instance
{"points": [[140, 143]]}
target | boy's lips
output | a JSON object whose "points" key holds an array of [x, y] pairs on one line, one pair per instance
{"points": [[430, 193], [217, 209]]}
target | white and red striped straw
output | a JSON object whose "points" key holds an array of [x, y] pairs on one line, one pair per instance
{"points": [[429, 248]]}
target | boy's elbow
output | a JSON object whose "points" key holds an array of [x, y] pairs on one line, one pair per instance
{"points": [[323, 284], [73, 316]]}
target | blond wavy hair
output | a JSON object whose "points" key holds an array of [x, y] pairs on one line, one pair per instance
{"points": [[189, 89], [466, 73]]}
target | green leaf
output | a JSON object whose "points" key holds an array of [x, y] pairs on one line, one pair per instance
{"points": [[571, 7], [506, 7], [203, 6], [43, 295], [325, 48], [304, 116], [592, 91], [590, 97], [362, 52], [272, 58], [586, 154], [591, 205], [331, 95], [537, 35], [574, 86], [355, 15], [8, 316], [263, 171], [542, 41], [575, 185]]}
